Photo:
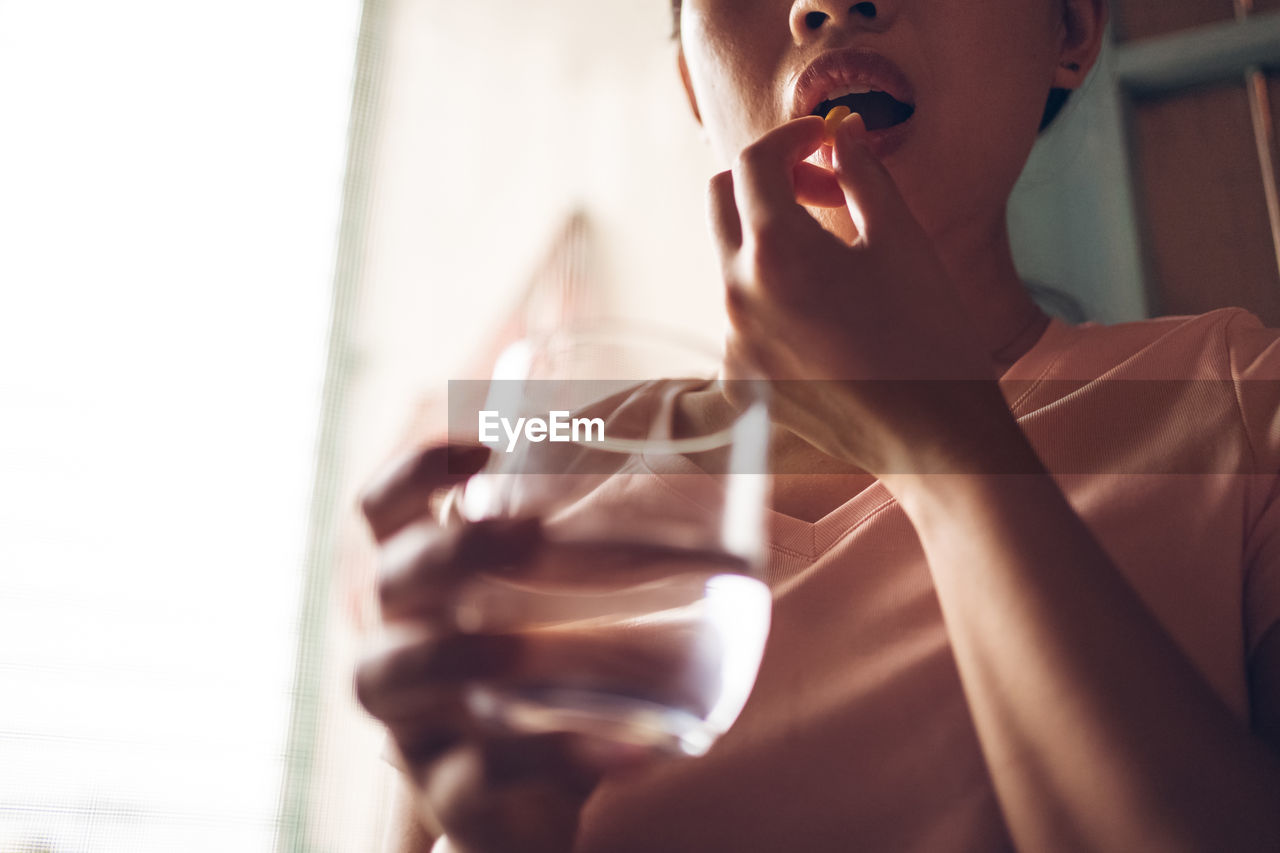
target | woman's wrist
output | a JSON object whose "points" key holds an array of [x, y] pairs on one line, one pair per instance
{"points": [[970, 431]]}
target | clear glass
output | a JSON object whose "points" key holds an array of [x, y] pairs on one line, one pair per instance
{"points": [[646, 595]]}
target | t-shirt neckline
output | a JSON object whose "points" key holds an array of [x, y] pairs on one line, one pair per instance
{"points": [[810, 539]]}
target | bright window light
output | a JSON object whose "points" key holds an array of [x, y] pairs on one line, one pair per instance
{"points": [[170, 184]]}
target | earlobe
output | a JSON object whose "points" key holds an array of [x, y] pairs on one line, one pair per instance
{"points": [[1084, 25], [688, 85]]}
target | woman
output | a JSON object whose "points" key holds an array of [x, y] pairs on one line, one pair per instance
{"points": [[967, 653]]}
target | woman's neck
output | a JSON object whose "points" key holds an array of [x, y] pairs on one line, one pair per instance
{"points": [[980, 261]]}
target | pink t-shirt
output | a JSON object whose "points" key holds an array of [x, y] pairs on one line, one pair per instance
{"points": [[857, 735]]}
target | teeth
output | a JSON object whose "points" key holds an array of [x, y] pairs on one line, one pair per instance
{"points": [[848, 90]]}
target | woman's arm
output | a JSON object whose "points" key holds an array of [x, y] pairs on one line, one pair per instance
{"points": [[1098, 732], [1264, 688]]}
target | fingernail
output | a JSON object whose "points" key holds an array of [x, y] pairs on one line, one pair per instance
{"points": [[853, 127]]}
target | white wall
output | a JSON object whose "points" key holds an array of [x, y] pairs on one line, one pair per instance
{"points": [[500, 119]]}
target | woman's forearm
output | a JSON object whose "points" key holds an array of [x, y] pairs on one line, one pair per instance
{"points": [[1097, 730]]}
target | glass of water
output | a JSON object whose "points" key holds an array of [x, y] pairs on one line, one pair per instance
{"points": [[648, 471]]}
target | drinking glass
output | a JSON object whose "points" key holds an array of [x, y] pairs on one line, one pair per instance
{"points": [[648, 473]]}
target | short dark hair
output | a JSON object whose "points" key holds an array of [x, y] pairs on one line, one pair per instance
{"points": [[1057, 100], [1057, 97]]}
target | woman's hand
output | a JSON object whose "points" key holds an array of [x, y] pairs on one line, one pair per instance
{"points": [[489, 791], [872, 357]]}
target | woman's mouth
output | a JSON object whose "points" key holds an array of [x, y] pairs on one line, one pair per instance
{"points": [[868, 84], [879, 110]]}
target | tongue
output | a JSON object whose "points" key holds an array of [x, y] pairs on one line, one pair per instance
{"points": [[878, 109]]}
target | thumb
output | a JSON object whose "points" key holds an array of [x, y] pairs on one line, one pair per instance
{"points": [[872, 196]]}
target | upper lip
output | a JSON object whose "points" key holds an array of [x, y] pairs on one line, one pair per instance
{"points": [[853, 67]]}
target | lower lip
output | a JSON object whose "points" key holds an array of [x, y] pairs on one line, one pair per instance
{"points": [[882, 143]]}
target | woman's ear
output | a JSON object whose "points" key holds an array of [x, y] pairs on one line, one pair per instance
{"points": [[688, 85], [1084, 22]]}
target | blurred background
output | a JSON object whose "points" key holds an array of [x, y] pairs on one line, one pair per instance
{"points": [[243, 247]]}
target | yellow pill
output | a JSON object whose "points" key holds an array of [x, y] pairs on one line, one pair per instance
{"points": [[833, 119]]}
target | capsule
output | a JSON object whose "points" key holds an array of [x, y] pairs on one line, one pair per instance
{"points": [[833, 119]]}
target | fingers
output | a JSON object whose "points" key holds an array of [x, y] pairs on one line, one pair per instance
{"points": [[574, 761], [816, 187], [775, 179], [402, 494], [722, 211], [764, 174], [662, 666], [421, 563], [874, 202], [490, 789], [416, 687], [513, 793], [417, 669]]}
